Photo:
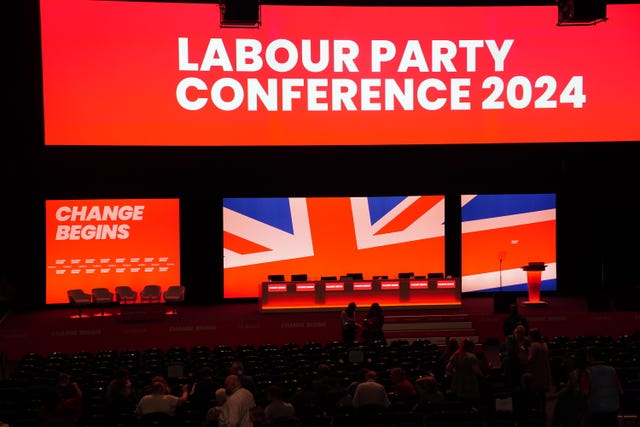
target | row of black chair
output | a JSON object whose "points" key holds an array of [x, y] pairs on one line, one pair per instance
{"points": [[103, 297]]}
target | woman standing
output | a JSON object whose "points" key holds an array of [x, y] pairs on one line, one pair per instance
{"points": [[349, 324], [373, 324]]}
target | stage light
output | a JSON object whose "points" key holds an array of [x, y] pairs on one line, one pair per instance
{"points": [[240, 13], [581, 12]]}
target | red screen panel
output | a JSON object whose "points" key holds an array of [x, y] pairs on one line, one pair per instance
{"points": [[108, 243], [162, 74]]}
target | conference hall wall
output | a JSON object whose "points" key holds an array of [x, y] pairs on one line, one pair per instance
{"points": [[182, 109]]}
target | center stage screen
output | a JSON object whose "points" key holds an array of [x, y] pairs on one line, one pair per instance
{"points": [[329, 236], [157, 73], [501, 233], [108, 243]]}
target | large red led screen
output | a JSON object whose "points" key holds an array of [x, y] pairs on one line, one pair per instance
{"points": [[329, 236], [167, 74], [109, 243], [501, 233]]}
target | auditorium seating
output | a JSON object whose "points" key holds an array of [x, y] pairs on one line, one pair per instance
{"points": [[292, 366]]}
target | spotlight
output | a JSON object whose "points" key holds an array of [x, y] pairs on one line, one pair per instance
{"points": [[240, 13], [581, 12]]}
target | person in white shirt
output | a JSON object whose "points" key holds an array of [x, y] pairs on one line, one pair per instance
{"points": [[159, 401], [370, 393], [236, 410]]}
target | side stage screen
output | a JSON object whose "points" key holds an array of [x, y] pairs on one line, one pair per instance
{"points": [[160, 73], [108, 243], [329, 236], [501, 233]]}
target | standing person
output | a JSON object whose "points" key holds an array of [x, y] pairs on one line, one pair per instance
{"points": [[237, 368], [211, 419], [121, 398], [62, 405], [570, 402], [466, 374], [236, 410], [373, 324], [277, 407], [514, 319], [202, 392], [404, 392], [539, 366], [601, 386], [349, 324], [516, 357], [443, 362]]}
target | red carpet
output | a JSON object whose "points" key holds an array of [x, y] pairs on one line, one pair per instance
{"points": [[54, 329]]}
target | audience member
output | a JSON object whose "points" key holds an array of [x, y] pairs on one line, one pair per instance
{"points": [[338, 397], [159, 401], [370, 394], [320, 382], [570, 403], [213, 414], [236, 410], [237, 368], [486, 403], [464, 368], [526, 404], [258, 417], [372, 326], [539, 366], [429, 393], [61, 405], [452, 346], [516, 357], [202, 392], [276, 406], [307, 401], [349, 324], [602, 388], [358, 377], [514, 319], [404, 392], [148, 389], [121, 398]]}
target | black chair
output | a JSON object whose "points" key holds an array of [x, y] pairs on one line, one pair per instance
{"points": [[79, 299], [151, 294], [125, 295], [102, 297], [157, 419], [173, 296]]}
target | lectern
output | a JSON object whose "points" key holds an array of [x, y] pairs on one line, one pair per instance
{"points": [[534, 279]]}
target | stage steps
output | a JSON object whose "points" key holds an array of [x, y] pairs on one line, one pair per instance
{"points": [[437, 328]]}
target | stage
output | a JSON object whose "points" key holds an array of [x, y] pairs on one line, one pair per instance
{"points": [[141, 326]]}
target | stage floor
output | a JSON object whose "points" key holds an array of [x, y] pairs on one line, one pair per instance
{"points": [[234, 323]]}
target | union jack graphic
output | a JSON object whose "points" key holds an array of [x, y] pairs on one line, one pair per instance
{"points": [[329, 236], [503, 232]]}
